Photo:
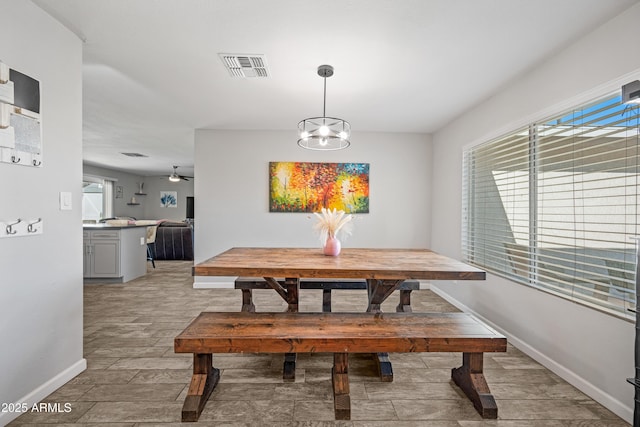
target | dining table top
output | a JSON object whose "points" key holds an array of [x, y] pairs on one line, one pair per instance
{"points": [[356, 263]]}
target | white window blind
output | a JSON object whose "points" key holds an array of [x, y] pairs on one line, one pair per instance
{"points": [[107, 197], [555, 205], [97, 197]]}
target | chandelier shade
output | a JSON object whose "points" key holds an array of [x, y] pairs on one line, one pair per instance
{"points": [[324, 133]]}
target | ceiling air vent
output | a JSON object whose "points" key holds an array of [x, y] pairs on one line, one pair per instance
{"points": [[134, 155], [240, 65]]}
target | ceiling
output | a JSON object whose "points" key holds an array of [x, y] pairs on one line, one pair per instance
{"points": [[152, 74]]}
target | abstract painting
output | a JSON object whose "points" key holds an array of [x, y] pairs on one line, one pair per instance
{"points": [[309, 187], [169, 199]]}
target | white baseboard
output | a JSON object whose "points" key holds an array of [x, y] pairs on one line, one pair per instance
{"points": [[213, 285], [214, 282], [614, 405], [45, 390]]}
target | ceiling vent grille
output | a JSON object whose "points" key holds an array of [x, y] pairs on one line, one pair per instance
{"points": [[240, 65], [134, 155]]}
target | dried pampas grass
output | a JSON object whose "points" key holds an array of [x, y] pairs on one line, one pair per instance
{"points": [[330, 222]]}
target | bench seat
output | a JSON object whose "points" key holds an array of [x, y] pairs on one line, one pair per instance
{"points": [[341, 334]]}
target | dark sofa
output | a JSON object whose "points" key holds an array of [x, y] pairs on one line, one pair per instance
{"points": [[174, 241]]}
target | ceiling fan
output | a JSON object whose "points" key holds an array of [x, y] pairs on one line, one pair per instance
{"points": [[174, 177]]}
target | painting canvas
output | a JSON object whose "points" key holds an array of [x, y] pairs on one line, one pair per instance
{"points": [[169, 199], [308, 187]]}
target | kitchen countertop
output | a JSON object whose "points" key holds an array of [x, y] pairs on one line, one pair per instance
{"points": [[109, 226]]}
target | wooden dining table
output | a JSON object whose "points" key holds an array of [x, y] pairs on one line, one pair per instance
{"points": [[383, 269]]}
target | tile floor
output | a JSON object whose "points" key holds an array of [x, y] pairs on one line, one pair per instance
{"points": [[135, 379]]}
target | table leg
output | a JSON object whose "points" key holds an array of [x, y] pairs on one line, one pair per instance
{"points": [[247, 301], [289, 367], [378, 291], [385, 370], [326, 300], [340, 382], [292, 286], [470, 379], [204, 379]]}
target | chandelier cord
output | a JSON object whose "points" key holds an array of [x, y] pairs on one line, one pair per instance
{"points": [[324, 133], [324, 104]]}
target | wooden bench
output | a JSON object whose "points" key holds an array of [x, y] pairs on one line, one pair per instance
{"points": [[248, 284], [340, 334]]}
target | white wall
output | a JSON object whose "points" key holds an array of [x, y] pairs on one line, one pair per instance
{"points": [[593, 351], [153, 209], [232, 191], [41, 276]]}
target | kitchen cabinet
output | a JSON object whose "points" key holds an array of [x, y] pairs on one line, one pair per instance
{"points": [[113, 252]]}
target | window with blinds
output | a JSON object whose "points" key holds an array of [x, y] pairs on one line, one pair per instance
{"points": [[555, 205], [97, 197]]}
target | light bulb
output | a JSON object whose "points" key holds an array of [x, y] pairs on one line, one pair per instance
{"points": [[304, 134], [343, 135], [324, 130], [323, 141]]}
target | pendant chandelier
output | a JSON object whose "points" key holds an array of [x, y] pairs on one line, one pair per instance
{"points": [[324, 133]]}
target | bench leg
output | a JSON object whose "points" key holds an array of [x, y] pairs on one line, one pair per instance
{"points": [[204, 379], [340, 381], [405, 301], [247, 301], [470, 379]]}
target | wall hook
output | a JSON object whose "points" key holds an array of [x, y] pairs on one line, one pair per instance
{"points": [[14, 160], [36, 162], [30, 228], [9, 228]]}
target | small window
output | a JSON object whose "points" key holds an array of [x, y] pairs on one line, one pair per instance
{"points": [[97, 198]]}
